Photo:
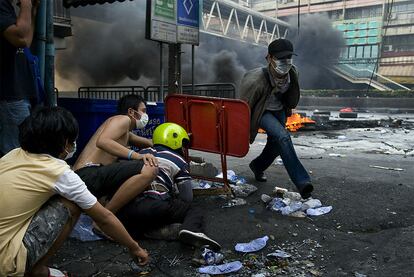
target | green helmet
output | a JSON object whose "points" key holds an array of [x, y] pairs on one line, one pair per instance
{"points": [[171, 135]]}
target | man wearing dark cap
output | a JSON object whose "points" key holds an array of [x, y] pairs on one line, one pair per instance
{"points": [[272, 92]]}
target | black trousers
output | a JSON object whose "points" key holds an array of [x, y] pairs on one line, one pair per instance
{"points": [[146, 213]]}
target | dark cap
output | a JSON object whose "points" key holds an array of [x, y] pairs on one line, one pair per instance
{"points": [[280, 48]]}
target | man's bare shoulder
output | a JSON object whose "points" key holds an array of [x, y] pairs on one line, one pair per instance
{"points": [[121, 120]]}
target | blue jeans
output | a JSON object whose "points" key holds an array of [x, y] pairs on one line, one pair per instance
{"points": [[280, 143], [12, 114]]}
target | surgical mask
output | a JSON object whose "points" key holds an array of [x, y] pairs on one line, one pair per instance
{"points": [[142, 122], [282, 66], [71, 153]]}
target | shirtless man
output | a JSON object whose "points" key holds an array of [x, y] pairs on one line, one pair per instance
{"points": [[98, 164]]}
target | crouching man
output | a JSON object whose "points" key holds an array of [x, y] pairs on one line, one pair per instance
{"points": [[41, 197], [168, 200]]}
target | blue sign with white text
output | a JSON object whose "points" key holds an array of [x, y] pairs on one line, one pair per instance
{"points": [[188, 13]]}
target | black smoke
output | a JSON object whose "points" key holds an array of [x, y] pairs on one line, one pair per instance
{"points": [[318, 46], [109, 48]]}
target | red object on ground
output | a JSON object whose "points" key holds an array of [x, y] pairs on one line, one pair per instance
{"points": [[346, 110], [215, 125]]}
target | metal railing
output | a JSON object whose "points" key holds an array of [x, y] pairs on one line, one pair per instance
{"points": [[110, 93], [154, 94]]}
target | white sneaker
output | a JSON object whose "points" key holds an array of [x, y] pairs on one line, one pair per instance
{"points": [[198, 239]]}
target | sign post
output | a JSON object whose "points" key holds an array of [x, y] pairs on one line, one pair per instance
{"points": [[161, 20], [188, 21]]}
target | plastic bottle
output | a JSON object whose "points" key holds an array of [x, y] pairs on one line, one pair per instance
{"points": [[211, 257]]}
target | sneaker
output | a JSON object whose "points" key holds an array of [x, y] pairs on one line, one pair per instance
{"points": [[198, 239], [258, 175], [167, 232], [306, 191]]}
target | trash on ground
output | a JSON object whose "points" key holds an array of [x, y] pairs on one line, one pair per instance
{"points": [[298, 214], [243, 190], [312, 204], [230, 175], [386, 168], [292, 195], [252, 246], [203, 184], [293, 205], [235, 202], [279, 161], [221, 269], [83, 229], [291, 208], [212, 258], [279, 254], [357, 274], [319, 211], [266, 198], [278, 191], [336, 155]]}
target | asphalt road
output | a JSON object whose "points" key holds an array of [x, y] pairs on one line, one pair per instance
{"points": [[369, 231]]}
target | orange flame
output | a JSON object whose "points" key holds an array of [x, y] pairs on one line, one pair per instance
{"points": [[295, 122]]}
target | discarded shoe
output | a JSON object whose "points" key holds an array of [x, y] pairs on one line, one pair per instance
{"points": [[198, 239], [167, 232], [258, 175], [306, 191]]}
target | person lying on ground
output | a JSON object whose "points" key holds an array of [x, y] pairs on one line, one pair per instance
{"points": [[168, 199], [41, 197], [99, 164]]}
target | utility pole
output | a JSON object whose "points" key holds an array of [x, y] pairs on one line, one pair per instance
{"points": [[174, 69]]}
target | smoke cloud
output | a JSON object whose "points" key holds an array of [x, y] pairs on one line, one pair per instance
{"points": [[318, 46], [109, 48]]}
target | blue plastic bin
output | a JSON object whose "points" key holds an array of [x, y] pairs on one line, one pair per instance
{"points": [[91, 113]]}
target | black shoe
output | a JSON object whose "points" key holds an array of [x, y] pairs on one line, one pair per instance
{"points": [[306, 191], [198, 240], [258, 175]]}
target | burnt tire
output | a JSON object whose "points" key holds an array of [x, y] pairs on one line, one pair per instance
{"points": [[322, 112]]}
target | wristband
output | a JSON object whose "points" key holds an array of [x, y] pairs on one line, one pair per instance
{"points": [[130, 154]]}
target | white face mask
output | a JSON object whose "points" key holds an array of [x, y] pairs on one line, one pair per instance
{"points": [[282, 66], [142, 122], [70, 154]]}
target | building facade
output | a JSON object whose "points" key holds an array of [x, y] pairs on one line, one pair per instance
{"points": [[379, 34]]}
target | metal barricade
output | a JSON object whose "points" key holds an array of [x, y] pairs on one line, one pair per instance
{"points": [[154, 94], [112, 93]]}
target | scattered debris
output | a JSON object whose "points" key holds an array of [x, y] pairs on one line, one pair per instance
{"points": [[279, 254], [243, 190], [319, 211], [212, 258], [293, 205], [252, 246], [336, 155], [235, 202], [386, 168], [221, 269]]}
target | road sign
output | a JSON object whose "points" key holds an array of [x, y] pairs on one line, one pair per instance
{"points": [[161, 22], [188, 21]]}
